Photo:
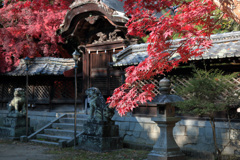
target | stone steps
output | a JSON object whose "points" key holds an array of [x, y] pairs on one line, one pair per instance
{"points": [[71, 120], [62, 132], [59, 132], [67, 126], [44, 142], [52, 138]]}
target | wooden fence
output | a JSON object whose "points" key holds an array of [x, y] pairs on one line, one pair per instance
{"points": [[46, 91], [183, 81]]}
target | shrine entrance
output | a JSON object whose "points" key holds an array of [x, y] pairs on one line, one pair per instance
{"points": [[97, 31]]}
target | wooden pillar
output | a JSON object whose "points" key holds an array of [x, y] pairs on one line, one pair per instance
{"points": [[85, 72]]}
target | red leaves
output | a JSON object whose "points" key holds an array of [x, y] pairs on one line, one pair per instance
{"points": [[29, 29], [191, 21]]}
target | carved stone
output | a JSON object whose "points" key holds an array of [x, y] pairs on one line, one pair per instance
{"points": [[99, 133], [98, 109], [14, 125], [16, 107], [165, 148]]}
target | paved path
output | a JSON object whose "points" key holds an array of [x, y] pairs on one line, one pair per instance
{"points": [[25, 151]]}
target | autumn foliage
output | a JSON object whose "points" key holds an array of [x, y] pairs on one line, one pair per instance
{"points": [[28, 28], [189, 20]]}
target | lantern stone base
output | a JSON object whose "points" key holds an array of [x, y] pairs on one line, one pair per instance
{"points": [[166, 148]]}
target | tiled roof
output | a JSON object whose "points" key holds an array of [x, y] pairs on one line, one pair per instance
{"points": [[224, 45], [44, 66]]}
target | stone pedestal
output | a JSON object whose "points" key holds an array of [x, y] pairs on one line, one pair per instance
{"points": [[166, 148], [100, 137], [14, 126]]}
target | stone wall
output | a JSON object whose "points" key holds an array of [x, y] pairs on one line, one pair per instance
{"points": [[38, 119], [195, 135]]}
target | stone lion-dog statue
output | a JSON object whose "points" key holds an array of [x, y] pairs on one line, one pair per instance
{"points": [[99, 111], [17, 104]]}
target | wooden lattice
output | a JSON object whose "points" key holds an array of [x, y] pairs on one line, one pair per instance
{"points": [[100, 83], [66, 89], [41, 92], [1, 94], [184, 82], [155, 82], [115, 81]]}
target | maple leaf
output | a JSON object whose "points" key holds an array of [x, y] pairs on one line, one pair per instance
{"points": [[183, 22], [28, 29]]}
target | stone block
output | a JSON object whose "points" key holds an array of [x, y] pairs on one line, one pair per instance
{"points": [[124, 126], [129, 133], [130, 138], [12, 132], [208, 133], [138, 127], [148, 126], [103, 130], [222, 133], [222, 142], [201, 131], [209, 140], [136, 134], [131, 126], [179, 130], [144, 135], [140, 141], [122, 133], [182, 140], [234, 134], [192, 131], [15, 122], [229, 150], [99, 144]]}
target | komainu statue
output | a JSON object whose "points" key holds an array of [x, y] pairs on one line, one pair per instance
{"points": [[17, 104], [99, 111]]}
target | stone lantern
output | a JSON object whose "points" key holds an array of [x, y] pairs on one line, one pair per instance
{"points": [[165, 148]]}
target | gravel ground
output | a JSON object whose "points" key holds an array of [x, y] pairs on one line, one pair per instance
{"points": [[15, 150]]}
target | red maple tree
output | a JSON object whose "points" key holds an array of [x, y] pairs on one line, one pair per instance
{"points": [[28, 28], [189, 20]]}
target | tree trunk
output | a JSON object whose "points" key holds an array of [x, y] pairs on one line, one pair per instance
{"points": [[217, 152], [230, 7]]}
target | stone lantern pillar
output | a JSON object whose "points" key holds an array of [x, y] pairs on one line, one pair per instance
{"points": [[165, 148]]}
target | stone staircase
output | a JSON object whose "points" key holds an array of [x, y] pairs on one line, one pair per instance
{"points": [[60, 132]]}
